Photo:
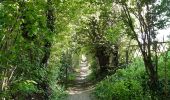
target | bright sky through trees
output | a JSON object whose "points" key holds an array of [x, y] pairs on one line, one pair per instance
{"points": [[163, 34]]}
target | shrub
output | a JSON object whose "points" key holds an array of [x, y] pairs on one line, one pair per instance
{"points": [[125, 84]]}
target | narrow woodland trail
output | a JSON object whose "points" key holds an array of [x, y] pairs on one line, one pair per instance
{"points": [[81, 89]]}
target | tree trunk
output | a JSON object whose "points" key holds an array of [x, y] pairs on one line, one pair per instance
{"points": [[116, 56], [50, 25], [103, 59], [147, 32], [153, 75]]}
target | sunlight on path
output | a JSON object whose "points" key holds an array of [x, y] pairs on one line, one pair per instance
{"points": [[84, 95], [80, 90]]}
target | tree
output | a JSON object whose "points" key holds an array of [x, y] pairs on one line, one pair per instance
{"points": [[142, 13], [100, 31]]}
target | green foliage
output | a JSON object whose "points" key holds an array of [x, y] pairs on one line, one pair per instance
{"points": [[21, 70], [75, 26], [66, 64], [125, 84], [131, 83], [162, 14], [115, 32], [94, 66], [25, 87], [58, 91], [163, 72]]}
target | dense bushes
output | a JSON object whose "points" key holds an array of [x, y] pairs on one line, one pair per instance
{"points": [[57, 90], [125, 84], [26, 40], [131, 83]]}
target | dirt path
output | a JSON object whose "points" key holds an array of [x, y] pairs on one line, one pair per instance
{"points": [[81, 89]]}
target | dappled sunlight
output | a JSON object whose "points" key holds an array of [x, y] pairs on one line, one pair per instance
{"points": [[81, 90], [111, 49], [74, 91]]}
